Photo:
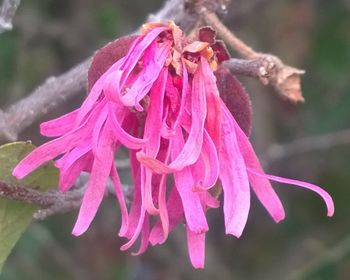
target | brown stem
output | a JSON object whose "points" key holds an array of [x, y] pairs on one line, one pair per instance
{"points": [[19, 193], [285, 79], [260, 68], [52, 202], [230, 39]]}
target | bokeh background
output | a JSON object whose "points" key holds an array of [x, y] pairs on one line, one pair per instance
{"points": [[50, 36]]}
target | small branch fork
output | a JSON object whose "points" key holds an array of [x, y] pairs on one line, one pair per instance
{"points": [[7, 12], [285, 79]]}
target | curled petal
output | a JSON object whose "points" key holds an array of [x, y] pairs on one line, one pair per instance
{"points": [[138, 212], [135, 53], [154, 61], [176, 214], [325, 196], [206, 170], [96, 92], [108, 55], [124, 137], [196, 248], [144, 237], [155, 165], [193, 145], [120, 196], [135, 211], [111, 87]]}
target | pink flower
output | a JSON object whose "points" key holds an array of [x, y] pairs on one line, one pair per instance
{"points": [[161, 101]]}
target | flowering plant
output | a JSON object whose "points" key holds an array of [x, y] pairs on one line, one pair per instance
{"points": [[159, 94]]}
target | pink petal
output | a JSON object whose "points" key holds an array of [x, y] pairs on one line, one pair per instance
{"points": [[192, 148], [212, 121], [208, 200], [184, 94], [155, 165], [111, 88], [136, 51], [103, 161], [138, 212], [55, 147], [153, 62], [136, 200], [260, 185], [176, 214], [60, 125], [234, 179], [206, 170], [196, 248], [70, 173], [195, 217], [120, 196], [144, 237], [96, 91], [129, 141], [162, 193], [325, 196], [152, 132]]}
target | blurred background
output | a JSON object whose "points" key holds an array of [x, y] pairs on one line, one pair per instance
{"points": [[51, 36]]}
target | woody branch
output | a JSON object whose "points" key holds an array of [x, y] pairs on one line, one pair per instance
{"points": [[286, 80]]}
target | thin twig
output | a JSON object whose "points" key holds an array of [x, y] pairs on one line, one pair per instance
{"points": [[7, 12], [285, 79], [277, 152], [51, 202], [19, 193], [260, 67]]}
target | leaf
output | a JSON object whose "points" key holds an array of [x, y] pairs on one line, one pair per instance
{"points": [[15, 216]]}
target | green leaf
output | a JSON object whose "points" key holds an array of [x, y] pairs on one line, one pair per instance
{"points": [[15, 216]]}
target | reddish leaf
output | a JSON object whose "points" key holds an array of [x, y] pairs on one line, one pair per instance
{"points": [[220, 51], [207, 34]]}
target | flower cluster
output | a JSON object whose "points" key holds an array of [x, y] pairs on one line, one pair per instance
{"points": [[160, 99]]}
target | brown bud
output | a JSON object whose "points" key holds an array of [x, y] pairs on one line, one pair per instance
{"points": [[105, 57], [235, 98]]}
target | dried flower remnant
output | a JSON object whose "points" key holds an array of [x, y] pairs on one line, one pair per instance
{"points": [[157, 94]]}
